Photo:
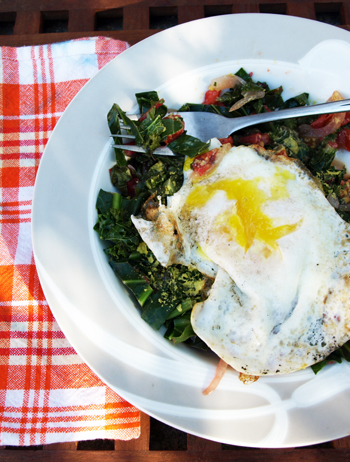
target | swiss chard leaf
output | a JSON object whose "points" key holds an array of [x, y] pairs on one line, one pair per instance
{"points": [[146, 99], [156, 311], [195, 107], [296, 101], [104, 201], [151, 130], [243, 74], [133, 280], [289, 139], [114, 126], [323, 155], [342, 353], [120, 175], [181, 329], [130, 123], [188, 146]]}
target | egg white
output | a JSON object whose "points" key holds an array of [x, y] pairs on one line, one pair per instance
{"points": [[277, 304]]}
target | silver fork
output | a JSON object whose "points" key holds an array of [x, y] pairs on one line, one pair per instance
{"points": [[207, 125]]}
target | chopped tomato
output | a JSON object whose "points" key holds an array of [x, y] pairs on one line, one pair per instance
{"points": [[333, 144], [347, 118], [129, 153], [204, 162], [282, 152], [226, 140], [325, 119], [343, 139], [211, 96], [322, 121], [256, 138]]}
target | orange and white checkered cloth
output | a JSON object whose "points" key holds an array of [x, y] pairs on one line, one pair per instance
{"points": [[47, 394]]}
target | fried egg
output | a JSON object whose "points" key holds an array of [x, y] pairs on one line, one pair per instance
{"points": [[260, 226]]}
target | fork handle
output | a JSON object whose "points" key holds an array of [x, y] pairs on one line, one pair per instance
{"points": [[302, 111]]}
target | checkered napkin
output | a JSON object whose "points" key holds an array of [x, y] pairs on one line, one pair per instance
{"points": [[47, 394]]}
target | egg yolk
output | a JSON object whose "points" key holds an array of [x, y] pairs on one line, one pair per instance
{"points": [[246, 221]]}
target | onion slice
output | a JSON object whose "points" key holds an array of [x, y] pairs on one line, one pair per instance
{"points": [[306, 131], [335, 122], [247, 96], [219, 373], [226, 81]]}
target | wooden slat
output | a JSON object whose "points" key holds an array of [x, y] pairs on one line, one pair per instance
{"points": [[61, 446], [136, 17], [303, 10], [188, 13], [345, 12], [81, 20], [131, 37], [245, 8], [239, 455], [27, 22], [342, 443], [194, 443]]}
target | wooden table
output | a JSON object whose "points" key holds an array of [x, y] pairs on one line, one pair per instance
{"points": [[31, 22]]}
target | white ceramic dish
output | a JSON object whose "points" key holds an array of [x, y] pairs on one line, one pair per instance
{"points": [[91, 306]]}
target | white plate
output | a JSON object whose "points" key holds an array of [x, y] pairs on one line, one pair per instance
{"points": [[91, 306]]}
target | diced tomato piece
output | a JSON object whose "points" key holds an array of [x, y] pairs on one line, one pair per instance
{"points": [[333, 144], [282, 152], [211, 96], [256, 138], [129, 153], [322, 121], [343, 139], [204, 162], [226, 140], [347, 118]]}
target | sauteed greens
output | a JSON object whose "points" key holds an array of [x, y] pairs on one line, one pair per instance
{"points": [[167, 295]]}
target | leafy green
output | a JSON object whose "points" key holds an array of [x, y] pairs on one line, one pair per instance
{"points": [[152, 131], [120, 175], [166, 296], [180, 329], [323, 155], [336, 356], [296, 101], [146, 100], [132, 124], [188, 145], [289, 139], [114, 126]]}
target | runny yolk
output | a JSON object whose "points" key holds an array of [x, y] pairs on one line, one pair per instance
{"points": [[246, 220]]}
